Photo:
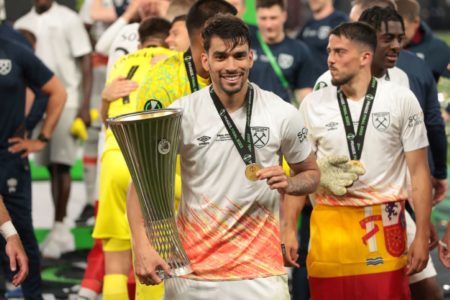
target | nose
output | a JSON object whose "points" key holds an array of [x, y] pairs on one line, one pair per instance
{"points": [[396, 44], [230, 63], [330, 59]]}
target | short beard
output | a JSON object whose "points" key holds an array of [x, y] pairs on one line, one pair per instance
{"points": [[339, 82]]}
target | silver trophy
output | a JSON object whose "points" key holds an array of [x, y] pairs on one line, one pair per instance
{"points": [[149, 143]]}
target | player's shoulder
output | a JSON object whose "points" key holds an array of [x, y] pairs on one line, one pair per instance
{"points": [[324, 80], [63, 12], [194, 101], [271, 101], [393, 92], [320, 96]]}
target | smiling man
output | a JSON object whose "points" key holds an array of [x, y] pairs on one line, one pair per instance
{"points": [[228, 215]]}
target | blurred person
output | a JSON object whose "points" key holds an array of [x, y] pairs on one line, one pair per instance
{"points": [[421, 41], [178, 38], [234, 220], [282, 65], [19, 69], [121, 37], [67, 52], [178, 8], [240, 6], [107, 10], [370, 259], [111, 225], [444, 244], [316, 30]]}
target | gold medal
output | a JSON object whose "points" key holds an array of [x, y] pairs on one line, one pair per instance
{"points": [[250, 171], [356, 163]]}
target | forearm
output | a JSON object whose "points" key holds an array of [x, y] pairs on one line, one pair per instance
{"points": [[438, 147], [56, 101], [86, 67], [303, 183], [292, 207], [4, 215], [421, 196]]}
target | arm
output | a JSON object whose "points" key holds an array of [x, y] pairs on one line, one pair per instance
{"points": [[99, 12], [107, 38], [86, 69], [444, 244], [421, 195], [146, 259], [292, 207], [57, 98], [14, 249], [305, 181]]}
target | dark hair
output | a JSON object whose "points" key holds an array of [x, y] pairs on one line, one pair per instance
{"points": [[203, 10], [408, 9], [270, 3], [365, 4], [229, 28], [358, 32], [153, 27], [375, 16], [178, 19]]}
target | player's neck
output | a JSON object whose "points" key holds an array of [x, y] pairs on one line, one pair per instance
{"points": [[323, 13], [378, 72], [234, 101], [356, 88]]}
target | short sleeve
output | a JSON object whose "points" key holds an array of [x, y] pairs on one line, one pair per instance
{"points": [[414, 134], [302, 110], [36, 73], [295, 146], [78, 37]]}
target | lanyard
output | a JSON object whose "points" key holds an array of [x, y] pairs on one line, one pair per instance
{"points": [[245, 147], [190, 70], [131, 72], [355, 142]]}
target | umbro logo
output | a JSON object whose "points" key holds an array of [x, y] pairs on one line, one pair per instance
{"points": [[203, 140]]}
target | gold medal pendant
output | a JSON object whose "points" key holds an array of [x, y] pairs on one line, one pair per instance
{"points": [[356, 163], [250, 171]]}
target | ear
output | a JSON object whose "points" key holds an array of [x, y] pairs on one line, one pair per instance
{"points": [[205, 61], [284, 16], [366, 58]]}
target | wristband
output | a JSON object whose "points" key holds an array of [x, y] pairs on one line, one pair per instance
{"points": [[7, 229], [41, 137]]}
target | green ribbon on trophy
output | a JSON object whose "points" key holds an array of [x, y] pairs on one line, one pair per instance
{"points": [[244, 146]]}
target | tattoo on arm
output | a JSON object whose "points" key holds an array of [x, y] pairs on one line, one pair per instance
{"points": [[304, 183]]}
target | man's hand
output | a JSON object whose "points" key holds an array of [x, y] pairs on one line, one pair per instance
{"points": [[276, 178], [444, 244], [25, 146], [417, 256], [17, 258], [440, 187], [148, 263], [290, 243], [118, 88], [338, 173]]}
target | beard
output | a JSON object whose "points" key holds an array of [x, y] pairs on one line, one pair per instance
{"points": [[234, 89], [342, 81]]}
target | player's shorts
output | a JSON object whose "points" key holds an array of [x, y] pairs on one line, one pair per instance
{"points": [[115, 178], [267, 288], [429, 270], [149, 292], [62, 147], [115, 245], [358, 252]]}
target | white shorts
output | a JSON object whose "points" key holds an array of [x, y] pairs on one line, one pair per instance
{"points": [[62, 147], [267, 288], [429, 270]]}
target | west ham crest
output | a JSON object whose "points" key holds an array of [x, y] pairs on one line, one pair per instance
{"points": [[260, 136], [381, 120]]}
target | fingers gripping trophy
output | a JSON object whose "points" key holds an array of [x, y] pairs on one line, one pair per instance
{"points": [[149, 143]]}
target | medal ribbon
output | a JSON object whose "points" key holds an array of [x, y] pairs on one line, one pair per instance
{"points": [[190, 70], [355, 142], [245, 147]]}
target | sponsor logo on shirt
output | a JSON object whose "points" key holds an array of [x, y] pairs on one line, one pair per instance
{"points": [[285, 61], [332, 126], [415, 119], [5, 66], [381, 120], [302, 134], [203, 140], [323, 32], [260, 136]]}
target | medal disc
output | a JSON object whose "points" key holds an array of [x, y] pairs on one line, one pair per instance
{"points": [[250, 171]]}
